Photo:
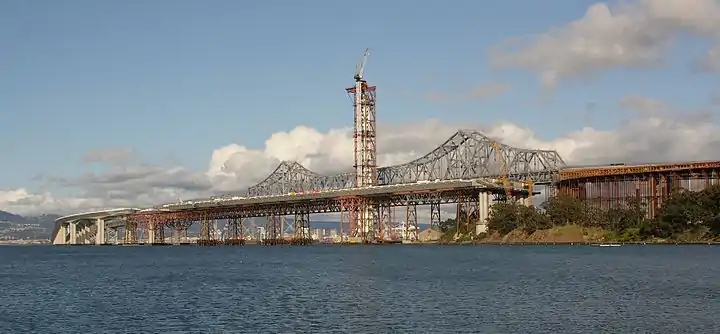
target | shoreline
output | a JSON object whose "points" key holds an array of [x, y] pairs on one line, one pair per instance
{"points": [[24, 242], [562, 243], [466, 243]]}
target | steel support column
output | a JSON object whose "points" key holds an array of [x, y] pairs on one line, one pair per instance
{"points": [[235, 232], [301, 229], [411, 223]]}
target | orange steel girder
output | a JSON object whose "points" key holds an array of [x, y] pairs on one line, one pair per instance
{"points": [[131, 231], [383, 222], [465, 212], [157, 221], [148, 222], [639, 169], [651, 189], [349, 214]]}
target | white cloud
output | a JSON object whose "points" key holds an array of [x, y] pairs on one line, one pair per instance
{"points": [[20, 201], [656, 132], [629, 34], [111, 156], [711, 61]]}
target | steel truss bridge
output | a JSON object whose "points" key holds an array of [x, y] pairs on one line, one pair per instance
{"points": [[464, 170], [465, 155]]}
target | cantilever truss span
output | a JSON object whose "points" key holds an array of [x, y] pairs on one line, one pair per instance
{"points": [[466, 155], [291, 176]]}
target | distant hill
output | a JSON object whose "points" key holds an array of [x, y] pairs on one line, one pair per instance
{"points": [[9, 217], [9, 227], [45, 220]]}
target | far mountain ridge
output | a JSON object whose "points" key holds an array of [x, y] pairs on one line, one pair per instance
{"points": [[42, 219]]}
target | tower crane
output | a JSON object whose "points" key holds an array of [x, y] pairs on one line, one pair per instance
{"points": [[360, 67]]}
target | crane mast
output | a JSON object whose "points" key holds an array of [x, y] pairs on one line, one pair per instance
{"points": [[364, 142], [365, 161]]}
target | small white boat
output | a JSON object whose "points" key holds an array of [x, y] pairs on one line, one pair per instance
{"points": [[609, 245]]}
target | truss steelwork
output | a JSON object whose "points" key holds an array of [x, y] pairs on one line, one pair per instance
{"points": [[179, 231], [466, 155], [352, 223], [383, 222], [234, 230], [291, 177], [364, 136], [411, 224], [273, 230], [470, 154], [301, 229], [208, 232], [435, 215], [131, 231]]}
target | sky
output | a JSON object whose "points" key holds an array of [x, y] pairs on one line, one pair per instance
{"points": [[136, 103]]}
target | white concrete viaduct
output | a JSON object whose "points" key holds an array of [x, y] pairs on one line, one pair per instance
{"points": [[90, 228]]}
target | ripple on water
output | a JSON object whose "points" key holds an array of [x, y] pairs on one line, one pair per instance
{"points": [[427, 289]]}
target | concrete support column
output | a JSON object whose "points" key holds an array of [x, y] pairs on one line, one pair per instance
{"points": [[73, 233], [150, 235], [484, 205], [81, 232], [59, 238], [115, 236], [483, 212], [62, 233], [100, 235]]}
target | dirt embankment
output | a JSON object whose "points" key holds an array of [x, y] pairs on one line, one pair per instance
{"points": [[561, 234]]}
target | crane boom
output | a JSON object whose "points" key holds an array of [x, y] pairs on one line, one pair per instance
{"points": [[360, 67], [504, 179], [503, 169]]}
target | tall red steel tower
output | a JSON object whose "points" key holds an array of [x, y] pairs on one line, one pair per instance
{"points": [[365, 151]]}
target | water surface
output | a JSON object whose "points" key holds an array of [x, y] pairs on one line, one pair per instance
{"points": [[359, 289]]}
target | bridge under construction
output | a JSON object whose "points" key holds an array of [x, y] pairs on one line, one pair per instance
{"points": [[470, 171]]}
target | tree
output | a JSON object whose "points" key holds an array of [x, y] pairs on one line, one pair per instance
{"points": [[564, 209], [684, 211], [532, 220], [504, 218]]}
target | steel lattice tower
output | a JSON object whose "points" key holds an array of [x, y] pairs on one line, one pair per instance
{"points": [[365, 149], [364, 137]]}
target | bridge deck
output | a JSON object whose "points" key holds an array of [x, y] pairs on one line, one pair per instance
{"points": [[369, 192], [625, 170]]}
